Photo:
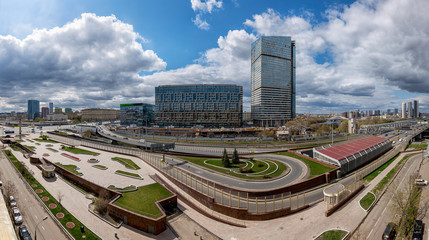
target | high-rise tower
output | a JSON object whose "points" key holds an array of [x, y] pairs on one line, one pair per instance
{"points": [[33, 110], [273, 80]]}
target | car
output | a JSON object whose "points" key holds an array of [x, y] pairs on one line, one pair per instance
{"points": [[17, 217], [1, 184], [12, 201], [418, 230], [142, 140], [125, 138], [421, 182], [389, 232], [24, 234]]}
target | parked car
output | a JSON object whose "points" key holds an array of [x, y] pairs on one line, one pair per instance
{"points": [[12, 201], [23, 233], [17, 217], [390, 232], [421, 182], [418, 230], [1, 184]]}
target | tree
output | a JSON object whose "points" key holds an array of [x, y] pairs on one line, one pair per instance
{"points": [[225, 159], [235, 159], [101, 203], [9, 189], [87, 134]]}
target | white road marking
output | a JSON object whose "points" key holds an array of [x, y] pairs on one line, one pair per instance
{"points": [[36, 216], [43, 228]]}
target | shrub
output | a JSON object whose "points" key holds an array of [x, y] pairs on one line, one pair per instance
{"points": [[246, 170], [261, 164], [267, 176]]}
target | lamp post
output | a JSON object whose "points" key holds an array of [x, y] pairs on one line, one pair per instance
{"points": [[35, 230]]}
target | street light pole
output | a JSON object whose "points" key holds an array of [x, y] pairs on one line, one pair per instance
{"points": [[35, 230]]}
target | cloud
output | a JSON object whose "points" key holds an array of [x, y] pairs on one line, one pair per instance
{"points": [[92, 58], [202, 7]]}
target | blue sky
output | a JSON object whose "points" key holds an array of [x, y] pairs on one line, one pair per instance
{"points": [[103, 53]]}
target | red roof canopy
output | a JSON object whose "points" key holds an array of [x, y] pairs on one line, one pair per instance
{"points": [[346, 150]]}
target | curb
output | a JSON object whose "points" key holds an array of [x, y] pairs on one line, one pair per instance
{"points": [[372, 204], [345, 237]]}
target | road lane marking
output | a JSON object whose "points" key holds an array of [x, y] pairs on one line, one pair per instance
{"points": [[43, 228], [36, 216]]}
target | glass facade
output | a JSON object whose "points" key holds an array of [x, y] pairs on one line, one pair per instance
{"points": [[139, 114], [206, 105], [273, 80], [33, 110]]}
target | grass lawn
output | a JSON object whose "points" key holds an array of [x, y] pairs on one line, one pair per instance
{"points": [[19, 140], [316, 169], [143, 200], [29, 147], [418, 146], [122, 189], [128, 174], [30, 140], [100, 167], [367, 200], [256, 168], [389, 175], [377, 171], [75, 232], [332, 235], [128, 163], [45, 140], [71, 168], [79, 151], [53, 150]]}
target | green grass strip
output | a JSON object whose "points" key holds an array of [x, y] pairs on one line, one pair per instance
{"points": [[418, 146], [377, 171], [332, 235], [128, 173], [71, 168], [75, 232], [100, 167], [45, 140], [79, 151], [128, 163], [367, 200], [29, 147], [53, 150], [316, 169], [129, 188], [143, 200]]}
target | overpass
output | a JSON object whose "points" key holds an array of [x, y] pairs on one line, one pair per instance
{"points": [[385, 127]]}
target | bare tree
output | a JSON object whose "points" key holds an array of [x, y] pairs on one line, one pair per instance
{"points": [[60, 197], [101, 203], [9, 189]]}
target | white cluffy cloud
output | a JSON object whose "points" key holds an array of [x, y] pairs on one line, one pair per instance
{"points": [[201, 7], [90, 59]]}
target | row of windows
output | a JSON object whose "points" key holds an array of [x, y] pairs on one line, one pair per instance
{"points": [[199, 89]]}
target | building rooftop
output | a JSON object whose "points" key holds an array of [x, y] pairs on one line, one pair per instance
{"points": [[346, 150]]}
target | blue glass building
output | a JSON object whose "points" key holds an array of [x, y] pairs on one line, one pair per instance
{"points": [[192, 105], [139, 114], [273, 80], [33, 109]]}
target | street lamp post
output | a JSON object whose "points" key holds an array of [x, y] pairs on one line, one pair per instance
{"points": [[35, 230]]}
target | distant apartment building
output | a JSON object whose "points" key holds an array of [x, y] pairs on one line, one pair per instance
{"points": [[416, 109], [273, 80], [51, 107], [68, 110], [404, 110], [98, 114], [139, 114], [208, 105], [58, 110], [410, 110], [45, 112], [57, 117], [33, 109]]}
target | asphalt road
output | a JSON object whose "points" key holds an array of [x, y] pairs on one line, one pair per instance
{"points": [[31, 209], [381, 214]]}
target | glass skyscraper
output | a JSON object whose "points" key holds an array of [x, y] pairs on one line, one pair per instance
{"points": [[33, 109], [206, 105], [139, 114], [273, 80]]}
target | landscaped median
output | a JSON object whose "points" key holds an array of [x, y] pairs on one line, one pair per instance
{"points": [[76, 150], [334, 234], [68, 221], [316, 169], [247, 169], [102, 167], [128, 163], [367, 201], [70, 168], [128, 174]]}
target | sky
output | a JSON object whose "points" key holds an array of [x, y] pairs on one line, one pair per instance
{"points": [[365, 54]]}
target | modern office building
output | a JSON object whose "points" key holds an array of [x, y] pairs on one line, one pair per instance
{"points": [[211, 105], [98, 114], [68, 110], [51, 107], [33, 110], [273, 80], [139, 114], [404, 110], [416, 109], [58, 110], [45, 112], [410, 110]]}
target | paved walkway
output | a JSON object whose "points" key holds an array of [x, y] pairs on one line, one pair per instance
{"points": [[77, 204]]}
